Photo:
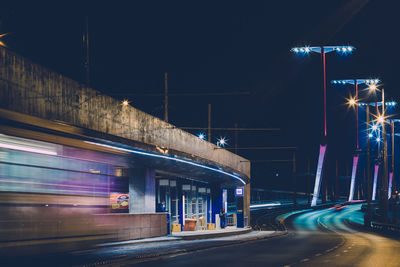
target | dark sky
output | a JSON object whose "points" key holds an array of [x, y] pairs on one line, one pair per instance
{"points": [[223, 46]]}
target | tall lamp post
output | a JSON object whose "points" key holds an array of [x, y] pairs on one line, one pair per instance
{"points": [[354, 102], [381, 120], [322, 152]]}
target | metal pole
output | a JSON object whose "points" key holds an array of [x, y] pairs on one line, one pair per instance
{"points": [[209, 123], [385, 164], [367, 220], [337, 181], [347, 174], [86, 44], [236, 137], [166, 97], [308, 182], [324, 175], [394, 215], [294, 180], [324, 74], [393, 180], [356, 87]]}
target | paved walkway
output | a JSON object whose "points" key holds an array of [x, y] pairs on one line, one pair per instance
{"points": [[184, 235], [202, 234]]}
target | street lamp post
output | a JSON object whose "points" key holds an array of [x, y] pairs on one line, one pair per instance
{"points": [[354, 102], [367, 220], [380, 120], [322, 152], [385, 166]]}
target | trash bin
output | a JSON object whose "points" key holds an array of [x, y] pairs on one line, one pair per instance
{"points": [[190, 225]]}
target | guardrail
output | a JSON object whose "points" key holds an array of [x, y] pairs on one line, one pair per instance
{"points": [[385, 227]]}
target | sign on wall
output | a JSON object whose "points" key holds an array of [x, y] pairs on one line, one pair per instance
{"points": [[239, 192], [119, 201]]}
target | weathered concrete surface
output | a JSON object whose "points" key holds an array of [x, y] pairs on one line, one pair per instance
{"points": [[61, 226], [28, 88]]}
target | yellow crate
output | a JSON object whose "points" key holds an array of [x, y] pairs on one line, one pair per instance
{"points": [[176, 227], [210, 226]]}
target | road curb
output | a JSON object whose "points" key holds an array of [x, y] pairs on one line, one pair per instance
{"points": [[356, 225], [211, 235]]}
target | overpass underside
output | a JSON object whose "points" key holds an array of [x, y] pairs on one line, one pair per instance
{"points": [[97, 187]]}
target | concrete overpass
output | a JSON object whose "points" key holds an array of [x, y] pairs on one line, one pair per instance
{"points": [[40, 104]]}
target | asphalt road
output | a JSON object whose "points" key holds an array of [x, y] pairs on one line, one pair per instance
{"points": [[316, 238]]}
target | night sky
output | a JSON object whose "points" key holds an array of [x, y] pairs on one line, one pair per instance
{"points": [[223, 46]]}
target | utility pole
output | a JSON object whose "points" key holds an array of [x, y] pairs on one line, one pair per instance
{"points": [[337, 182], [85, 39], [236, 137], [294, 180], [209, 123], [347, 174], [166, 97], [308, 182]]}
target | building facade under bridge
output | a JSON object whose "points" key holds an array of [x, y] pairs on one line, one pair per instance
{"points": [[93, 168]]}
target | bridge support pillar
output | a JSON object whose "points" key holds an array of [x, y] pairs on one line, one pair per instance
{"points": [[142, 188]]}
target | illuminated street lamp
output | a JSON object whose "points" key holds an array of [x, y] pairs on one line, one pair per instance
{"points": [[125, 102], [202, 136], [323, 50], [372, 83], [322, 152], [352, 102], [221, 142], [1, 42]]}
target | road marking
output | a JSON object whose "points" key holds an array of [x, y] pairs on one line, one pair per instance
{"points": [[318, 254], [345, 251], [349, 247], [286, 266], [304, 260], [337, 255]]}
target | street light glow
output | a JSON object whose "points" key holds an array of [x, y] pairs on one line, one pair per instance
{"points": [[221, 142], [370, 135], [352, 101], [378, 139], [374, 127], [125, 102], [1, 42], [202, 136], [326, 49], [380, 119]]}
